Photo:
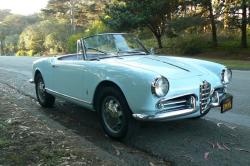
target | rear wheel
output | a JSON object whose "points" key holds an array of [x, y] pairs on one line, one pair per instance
{"points": [[114, 113], [45, 99]]}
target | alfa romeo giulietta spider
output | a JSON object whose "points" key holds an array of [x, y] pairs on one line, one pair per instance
{"points": [[115, 75]]}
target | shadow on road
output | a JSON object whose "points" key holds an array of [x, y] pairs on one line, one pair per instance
{"points": [[192, 142]]}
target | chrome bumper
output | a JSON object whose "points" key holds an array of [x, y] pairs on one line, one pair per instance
{"points": [[163, 115], [31, 81]]}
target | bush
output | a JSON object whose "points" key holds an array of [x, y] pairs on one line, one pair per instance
{"points": [[188, 44], [96, 27], [72, 42], [30, 53], [21, 53]]}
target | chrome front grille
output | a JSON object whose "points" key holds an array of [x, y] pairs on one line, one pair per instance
{"points": [[205, 96], [179, 103]]}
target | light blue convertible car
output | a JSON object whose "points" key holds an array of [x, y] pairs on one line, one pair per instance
{"points": [[115, 75]]}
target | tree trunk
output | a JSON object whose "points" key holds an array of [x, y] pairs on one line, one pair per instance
{"points": [[1, 48], [226, 14], [156, 34], [213, 25], [244, 25], [158, 38]]}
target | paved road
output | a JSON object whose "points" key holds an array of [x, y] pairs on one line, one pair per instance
{"points": [[183, 142]]}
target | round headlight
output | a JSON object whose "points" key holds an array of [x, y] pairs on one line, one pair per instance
{"points": [[160, 87], [226, 76]]}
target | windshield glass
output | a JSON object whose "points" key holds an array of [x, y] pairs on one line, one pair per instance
{"points": [[110, 45]]}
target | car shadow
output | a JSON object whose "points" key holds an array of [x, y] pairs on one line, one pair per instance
{"points": [[183, 141]]}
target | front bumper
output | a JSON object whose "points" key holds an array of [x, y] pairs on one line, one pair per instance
{"points": [[163, 116]]}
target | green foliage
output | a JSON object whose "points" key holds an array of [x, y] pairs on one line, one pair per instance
{"points": [[177, 25], [71, 43], [45, 37], [96, 27], [118, 17], [79, 14], [10, 28], [131, 14], [190, 44], [183, 44], [4, 13], [182, 23], [21, 53], [11, 44]]}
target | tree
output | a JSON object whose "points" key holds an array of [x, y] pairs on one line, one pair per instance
{"points": [[244, 24], [79, 13], [130, 14], [208, 6], [48, 36], [11, 44], [11, 26], [238, 18], [4, 13]]}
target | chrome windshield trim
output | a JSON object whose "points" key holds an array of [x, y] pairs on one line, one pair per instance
{"points": [[31, 81], [74, 98]]}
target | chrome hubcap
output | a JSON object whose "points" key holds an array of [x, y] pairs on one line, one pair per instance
{"points": [[41, 90], [112, 114]]}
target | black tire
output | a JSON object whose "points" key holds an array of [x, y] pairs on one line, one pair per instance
{"points": [[112, 105], [45, 99]]}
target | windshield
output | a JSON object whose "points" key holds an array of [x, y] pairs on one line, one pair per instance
{"points": [[110, 45]]}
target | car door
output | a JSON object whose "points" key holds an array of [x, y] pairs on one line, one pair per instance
{"points": [[68, 76]]}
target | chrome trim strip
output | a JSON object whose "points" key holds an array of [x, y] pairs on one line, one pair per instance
{"points": [[216, 104], [169, 64], [177, 96], [74, 98], [175, 102], [31, 81], [173, 107], [163, 116], [167, 115]]}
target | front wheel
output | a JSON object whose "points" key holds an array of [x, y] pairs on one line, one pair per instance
{"points": [[114, 113], [45, 99]]}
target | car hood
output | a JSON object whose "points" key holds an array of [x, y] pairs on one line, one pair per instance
{"points": [[170, 67]]}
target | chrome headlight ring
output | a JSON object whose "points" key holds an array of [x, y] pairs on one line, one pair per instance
{"points": [[226, 76], [160, 87]]}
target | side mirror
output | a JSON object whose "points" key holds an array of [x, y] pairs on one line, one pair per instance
{"points": [[152, 51]]}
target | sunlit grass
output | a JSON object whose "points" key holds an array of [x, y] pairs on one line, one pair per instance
{"points": [[233, 64]]}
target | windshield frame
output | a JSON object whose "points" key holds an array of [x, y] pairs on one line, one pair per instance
{"points": [[118, 53]]}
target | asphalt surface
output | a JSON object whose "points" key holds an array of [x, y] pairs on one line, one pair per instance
{"points": [[217, 139]]}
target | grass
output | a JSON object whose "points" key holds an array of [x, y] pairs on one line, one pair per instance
{"points": [[199, 46], [4, 142], [232, 64]]}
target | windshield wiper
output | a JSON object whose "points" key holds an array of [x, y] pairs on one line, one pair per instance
{"points": [[103, 57], [96, 49], [132, 52]]}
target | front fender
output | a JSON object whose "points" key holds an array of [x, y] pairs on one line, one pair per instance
{"points": [[135, 84]]}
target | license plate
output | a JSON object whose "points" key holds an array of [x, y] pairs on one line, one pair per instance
{"points": [[227, 105]]}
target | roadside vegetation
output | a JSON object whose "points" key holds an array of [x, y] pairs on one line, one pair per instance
{"points": [[211, 29]]}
